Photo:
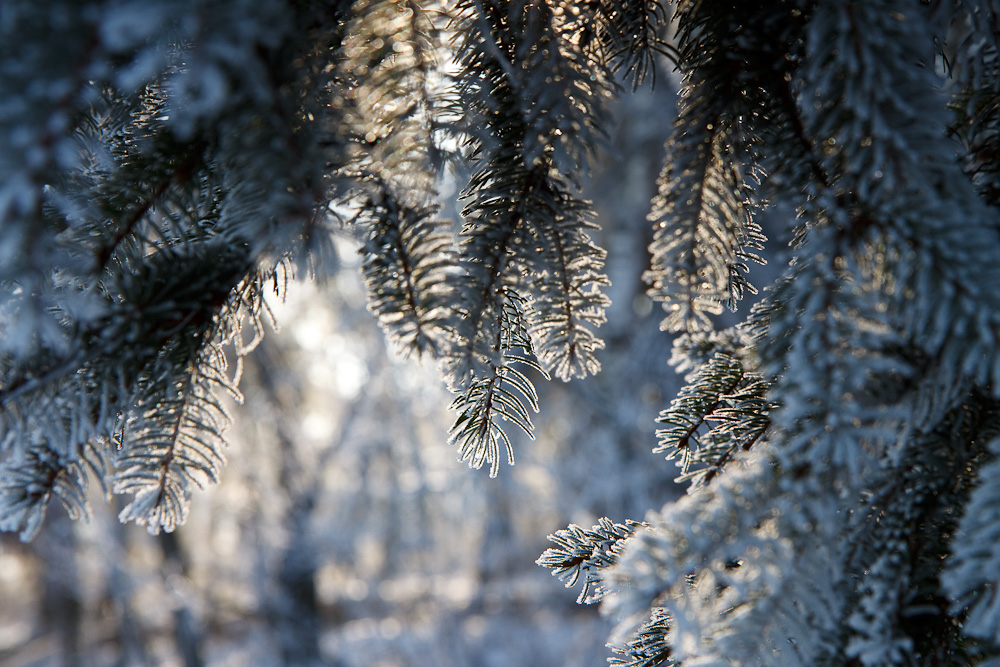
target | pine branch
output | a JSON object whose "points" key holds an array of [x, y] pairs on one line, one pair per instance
{"points": [[735, 405], [180, 171], [631, 32], [173, 438], [584, 553], [649, 646], [408, 258], [539, 87], [566, 301], [389, 59], [28, 483], [704, 234], [695, 402], [504, 395]]}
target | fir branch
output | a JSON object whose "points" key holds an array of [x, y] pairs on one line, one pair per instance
{"points": [[729, 134], [408, 258], [504, 394], [180, 173], [903, 598], [389, 57], [476, 430], [28, 483], [631, 31], [531, 66], [733, 401], [566, 301], [698, 399], [584, 553], [739, 424], [649, 646], [814, 364], [173, 438], [169, 313], [703, 230], [720, 564], [539, 88], [480, 290]]}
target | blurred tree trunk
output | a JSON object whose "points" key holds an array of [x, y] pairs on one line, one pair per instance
{"points": [[128, 626], [61, 610], [494, 561], [129, 631], [295, 605], [187, 633]]}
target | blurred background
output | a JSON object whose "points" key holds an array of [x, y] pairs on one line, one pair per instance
{"points": [[344, 531]]}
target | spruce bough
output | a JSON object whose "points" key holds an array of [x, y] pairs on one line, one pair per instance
{"points": [[162, 168]]}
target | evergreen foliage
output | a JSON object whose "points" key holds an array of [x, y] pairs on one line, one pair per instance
{"points": [[584, 553], [162, 167]]}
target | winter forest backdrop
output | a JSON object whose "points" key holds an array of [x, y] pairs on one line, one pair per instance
{"points": [[499, 191]]}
